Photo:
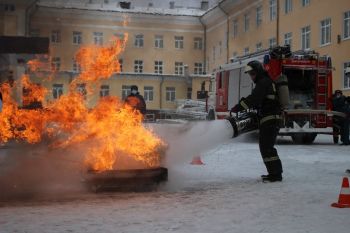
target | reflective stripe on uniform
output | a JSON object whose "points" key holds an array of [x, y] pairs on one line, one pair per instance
{"points": [[270, 159], [270, 117], [244, 105], [271, 97]]}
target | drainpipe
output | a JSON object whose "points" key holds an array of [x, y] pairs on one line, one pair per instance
{"points": [[227, 31], [160, 93], [277, 22], [204, 43], [28, 15]]}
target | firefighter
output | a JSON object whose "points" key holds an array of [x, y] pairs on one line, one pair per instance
{"points": [[264, 99], [340, 123], [136, 100]]}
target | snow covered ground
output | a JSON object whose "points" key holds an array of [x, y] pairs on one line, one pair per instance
{"points": [[224, 195]]}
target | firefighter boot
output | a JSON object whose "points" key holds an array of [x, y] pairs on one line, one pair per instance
{"points": [[271, 178]]}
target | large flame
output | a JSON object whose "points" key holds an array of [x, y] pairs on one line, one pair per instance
{"points": [[110, 130]]}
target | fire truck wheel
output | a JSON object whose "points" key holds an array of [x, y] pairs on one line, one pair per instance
{"points": [[304, 138]]}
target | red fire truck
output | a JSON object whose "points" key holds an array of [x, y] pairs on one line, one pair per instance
{"points": [[310, 90]]}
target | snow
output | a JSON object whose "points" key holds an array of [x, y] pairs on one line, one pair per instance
{"points": [[188, 11], [224, 195]]}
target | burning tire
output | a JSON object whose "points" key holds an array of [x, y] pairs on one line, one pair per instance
{"points": [[125, 180]]}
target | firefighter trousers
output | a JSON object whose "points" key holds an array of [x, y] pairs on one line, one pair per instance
{"points": [[268, 131]]}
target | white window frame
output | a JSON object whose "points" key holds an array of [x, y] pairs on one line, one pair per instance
{"points": [[138, 66], [138, 42], [198, 68], [346, 79], [56, 36], [272, 42], [306, 37], [346, 25], [246, 22], [288, 6], [170, 94], [179, 42], [246, 51], [179, 68], [76, 67], [98, 38], [325, 31], [305, 3], [198, 43], [148, 93], [235, 28], [288, 38], [57, 90], [158, 41], [77, 38], [158, 67], [104, 90], [258, 46], [273, 9], [126, 90], [259, 15], [56, 64]]}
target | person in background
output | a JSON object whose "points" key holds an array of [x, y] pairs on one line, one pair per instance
{"points": [[136, 100], [339, 121], [264, 99]]}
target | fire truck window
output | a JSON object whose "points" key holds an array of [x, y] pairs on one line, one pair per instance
{"points": [[220, 80]]}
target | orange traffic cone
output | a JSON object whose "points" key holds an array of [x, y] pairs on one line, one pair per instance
{"points": [[344, 196], [197, 161]]}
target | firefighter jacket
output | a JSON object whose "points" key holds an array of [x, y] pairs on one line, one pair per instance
{"points": [[136, 101], [263, 98]]}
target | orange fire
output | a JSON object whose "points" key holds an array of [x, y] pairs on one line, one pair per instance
{"points": [[112, 131]]}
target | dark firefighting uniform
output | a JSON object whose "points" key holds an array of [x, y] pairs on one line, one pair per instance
{"points": [[264, 99]]}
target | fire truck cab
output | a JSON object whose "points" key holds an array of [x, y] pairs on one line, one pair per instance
{"points": [[310, 90]]}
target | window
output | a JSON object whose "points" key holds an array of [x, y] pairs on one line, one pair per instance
{"points": [[288, 6], [158, 41], [198, 43], [258, 46], [326, 31], [9, 7], [77, 38], [148, 93], [246, 51], [258, 16], [179, 68], [55, 64], [273, 9], [170, 94], [305, 2], [55, 36], [198, 68], [120, 36], [220, 48], [272, 42], [305, 37], [346, 77], [104, 91], [121, 64], [138, 41], [235, 28], [189, 92], [125, 91], [346, 25], [246, 22], [179, 42], [57, 90], [158, 67], [288, 38], [138, 66], [76, 67], [81, 88], [98, 38]]}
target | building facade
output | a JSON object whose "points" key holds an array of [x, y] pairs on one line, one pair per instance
{"points": [[171, 52]]}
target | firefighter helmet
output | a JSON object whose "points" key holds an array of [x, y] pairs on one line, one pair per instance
{"points": [[254, 66]]}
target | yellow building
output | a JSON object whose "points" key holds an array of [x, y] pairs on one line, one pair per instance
{"points": [[171, 52]]}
